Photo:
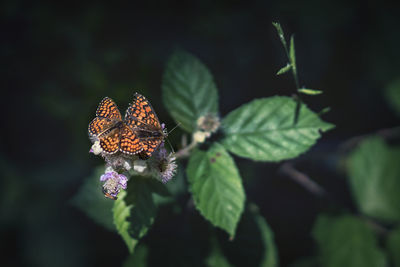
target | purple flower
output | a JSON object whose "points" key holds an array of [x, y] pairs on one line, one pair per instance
{"points": [[165, 165], [113, 183]]}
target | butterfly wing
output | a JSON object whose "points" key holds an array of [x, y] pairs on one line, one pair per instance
{"points": [[107, 115], [149, 146], [103, 126], [140, 114], [129, 143], [142, 119], [110, 141], [98, 126], [108, 109]]}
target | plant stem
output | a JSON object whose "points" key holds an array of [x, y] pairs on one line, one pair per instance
{"points": [[302, 179], [184, 152]]}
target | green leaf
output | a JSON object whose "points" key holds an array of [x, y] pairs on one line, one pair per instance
{"points": [[284, 69], [177, 185], [216, 187], [347, 241], [393, 246], [264, 130], [392, 93], [91, 201], [138, 258], [134, 211], [374, 175], [309, 91], [216, 257], [280, 33], [254, 243], [189, 90], [270, 258], [324, 111]]}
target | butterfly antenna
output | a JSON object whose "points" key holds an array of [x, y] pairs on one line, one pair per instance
{"points": [[172, 149], [176, 126]]}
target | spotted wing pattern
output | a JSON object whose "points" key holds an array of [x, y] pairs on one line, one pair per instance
{"points": [[149, 146], [104, 126], [108, 109], [99, 125], [110, 142], [141, 118], [107, 115], [129, 143], [140, 114]]}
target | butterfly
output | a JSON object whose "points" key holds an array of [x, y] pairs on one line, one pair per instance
{"points": [[140, 132]]}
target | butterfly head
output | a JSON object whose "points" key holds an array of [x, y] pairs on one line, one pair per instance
{"points": [[164, 130]]}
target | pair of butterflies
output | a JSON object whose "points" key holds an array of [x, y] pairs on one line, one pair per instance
{"points": [[139, 133]]}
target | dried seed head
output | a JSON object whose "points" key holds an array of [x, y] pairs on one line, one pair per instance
{"points": [[208, 123]]}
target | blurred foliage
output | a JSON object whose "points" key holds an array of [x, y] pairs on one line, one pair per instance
{"points": [[347, 241], [393, 246], [216, 257], [392, 94], [254, 244], [139, 258], [90, 200], [374, 172]]}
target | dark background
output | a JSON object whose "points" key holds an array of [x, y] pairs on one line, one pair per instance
{"points": [[59, 61]]}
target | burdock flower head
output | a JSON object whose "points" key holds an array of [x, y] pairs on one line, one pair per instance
{"points": [[113, 183]]}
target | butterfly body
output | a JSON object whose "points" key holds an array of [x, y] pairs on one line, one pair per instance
{"points": [[140, 132]]}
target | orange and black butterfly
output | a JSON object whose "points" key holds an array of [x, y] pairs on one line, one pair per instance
{"points": [[140, 132]]}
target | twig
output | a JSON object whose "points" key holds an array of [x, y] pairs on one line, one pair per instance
{"points": [[184, 152], [386, 133], [302, 179], [374, 225]]}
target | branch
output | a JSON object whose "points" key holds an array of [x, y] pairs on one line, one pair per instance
{"points": [[185, 151], [387, 133], [302, 179]]}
